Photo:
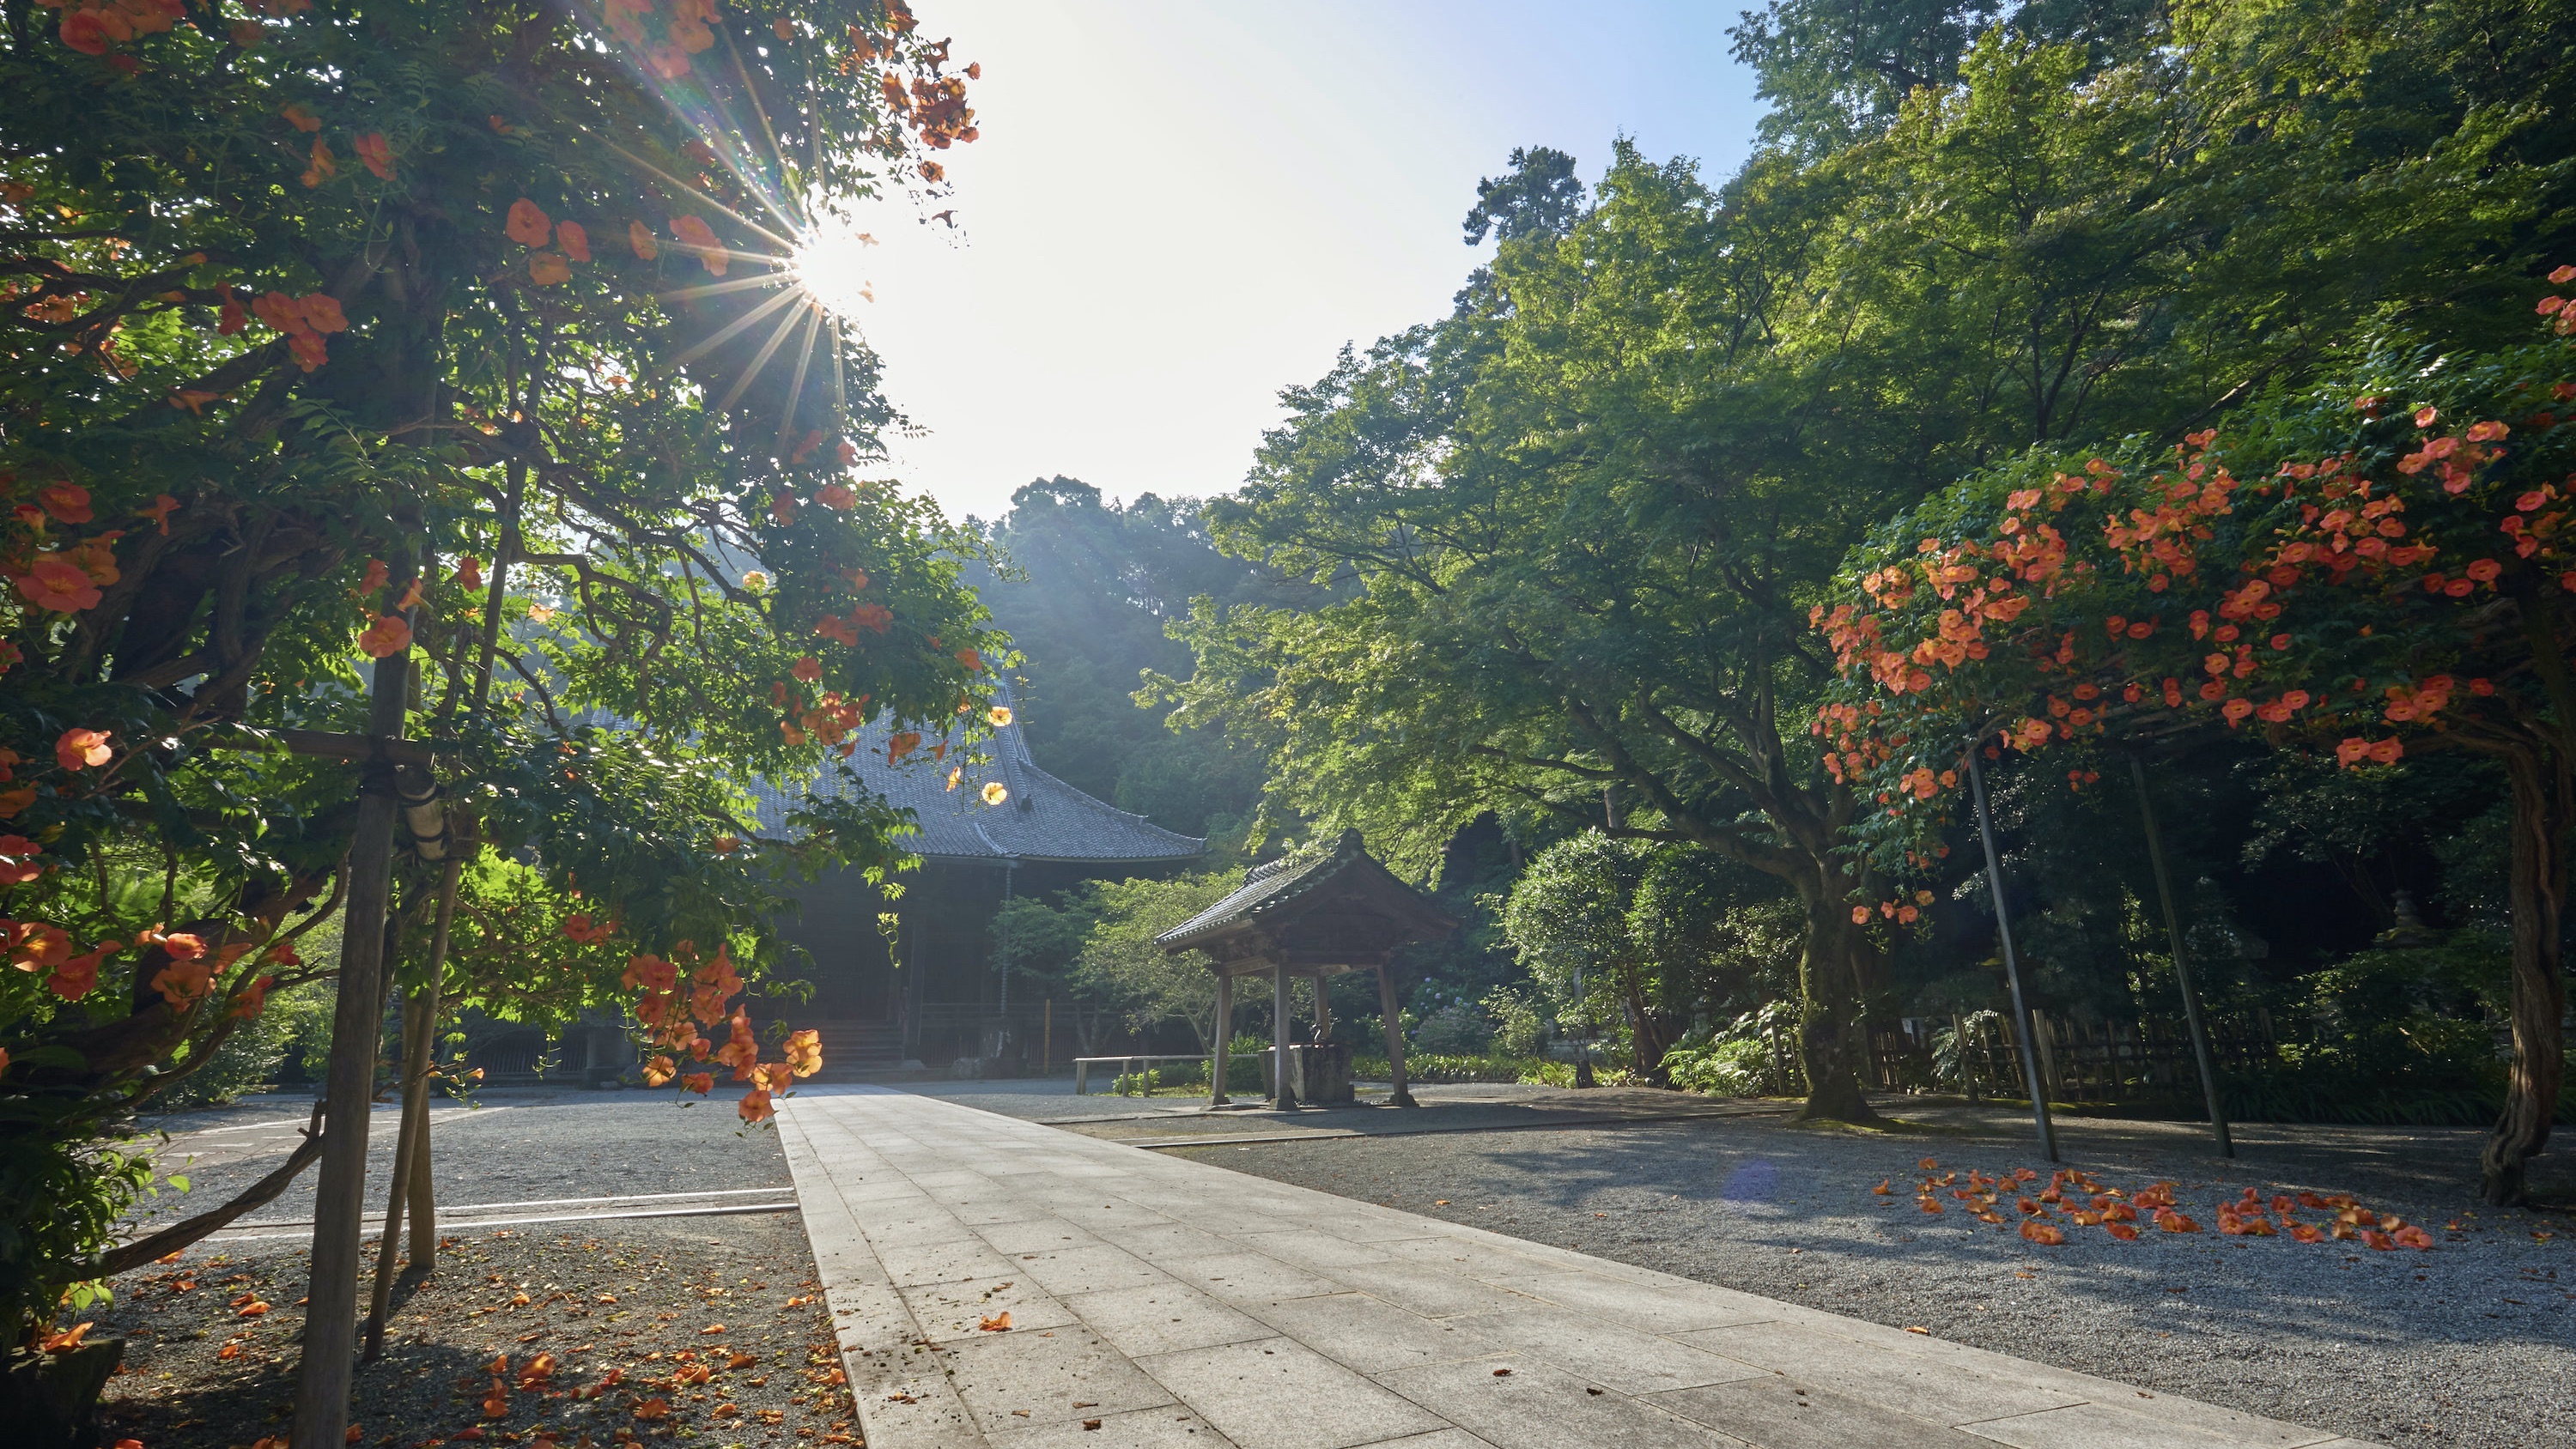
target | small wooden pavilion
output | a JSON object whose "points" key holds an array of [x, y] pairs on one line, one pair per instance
{"points": [[1314, 914]]}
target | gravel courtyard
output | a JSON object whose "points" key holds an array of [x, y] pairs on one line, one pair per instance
{"points": [[705, 1328], [2472, 1343]]}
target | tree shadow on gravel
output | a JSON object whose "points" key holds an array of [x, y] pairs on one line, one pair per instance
{"points": [[417, 1390]]}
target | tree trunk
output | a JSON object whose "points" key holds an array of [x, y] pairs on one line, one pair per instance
{"points": [[1651, 1033], [2542, 811], [1830, 1042]]}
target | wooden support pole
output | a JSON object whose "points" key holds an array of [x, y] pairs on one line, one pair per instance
{"points": [[2012, 964], [1283, 1071], [2182, 966], [1224, 1035], [423, 1193], [1394, 1020], [339, 1205], [1323, 1011], [420, 1028]]}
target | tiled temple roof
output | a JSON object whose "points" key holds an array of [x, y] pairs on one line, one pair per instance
{"points": [[1043, 819]]}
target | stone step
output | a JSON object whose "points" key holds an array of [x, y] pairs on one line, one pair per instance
{"points": [[856, 1047]]}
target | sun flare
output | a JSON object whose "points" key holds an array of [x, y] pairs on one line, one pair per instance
{"points": [[827, 265]]}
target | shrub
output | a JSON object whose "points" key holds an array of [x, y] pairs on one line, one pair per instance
{"points": [[297, 1023], [1738, 1062], [1518, 1029], [1458, 1029], [1435, 1067]]}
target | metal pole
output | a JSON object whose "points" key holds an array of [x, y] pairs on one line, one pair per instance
{"points": [[2182, 968], [2012, 963], [330, 1324]]}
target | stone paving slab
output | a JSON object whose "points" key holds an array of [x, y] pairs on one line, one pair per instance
{"points": [[1157, 1302]]}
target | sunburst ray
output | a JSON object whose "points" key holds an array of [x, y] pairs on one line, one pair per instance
{"points": [[768, 350]]}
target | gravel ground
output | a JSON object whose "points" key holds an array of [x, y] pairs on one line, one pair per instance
{"points": [[635, 1297], [735, 1297], [2470, 1344], [510, 1146]]}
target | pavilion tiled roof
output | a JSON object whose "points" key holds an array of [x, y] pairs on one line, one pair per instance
{"points": [[1043, 818], [1271, 885]]}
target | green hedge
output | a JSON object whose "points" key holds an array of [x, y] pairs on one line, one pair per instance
{"points": [[1435, 1067]]}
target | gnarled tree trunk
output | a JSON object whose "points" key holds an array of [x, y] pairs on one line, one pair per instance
{"points": [[1832, 1038], [2544, 805]]}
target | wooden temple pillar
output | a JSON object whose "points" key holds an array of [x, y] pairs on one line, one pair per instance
{"points": [[1323, 1011], [1283, 1097], [1224, 1035], [1394, 1019]]}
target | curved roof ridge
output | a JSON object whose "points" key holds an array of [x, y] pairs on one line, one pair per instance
{"points": [[1268, 886], [1044, 818]]}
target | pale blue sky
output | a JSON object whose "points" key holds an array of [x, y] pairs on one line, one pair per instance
{"points": [[1178, 207]]}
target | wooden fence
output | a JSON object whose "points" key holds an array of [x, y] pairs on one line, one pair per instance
{"points": [[2101, 1061]]}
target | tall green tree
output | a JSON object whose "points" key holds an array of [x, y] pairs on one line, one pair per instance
{"points": [[1839, 71], [1565, 540], [1087, 588]]}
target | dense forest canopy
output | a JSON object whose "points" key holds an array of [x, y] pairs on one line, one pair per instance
{"points": [[1087, 589]]}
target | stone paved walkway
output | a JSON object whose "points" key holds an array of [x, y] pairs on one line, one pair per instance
{"points": [[1156, 1301]]}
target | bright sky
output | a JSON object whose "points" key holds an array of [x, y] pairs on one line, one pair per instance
{"points": [[1178, 207]]}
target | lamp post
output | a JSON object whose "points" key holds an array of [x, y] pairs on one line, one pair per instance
{"points": [[2012, 965]]}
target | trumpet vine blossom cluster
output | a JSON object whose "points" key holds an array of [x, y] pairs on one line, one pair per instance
{"points": [[2362, 569]]}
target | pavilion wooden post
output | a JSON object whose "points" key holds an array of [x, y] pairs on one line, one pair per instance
{"points": [[1283, 1097], [1323, 1011], [1394, 1034], [1224, 1034]]}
